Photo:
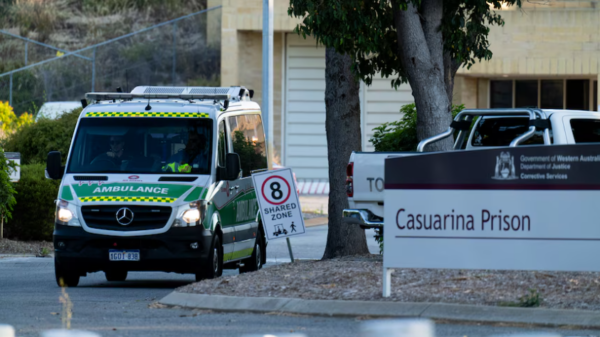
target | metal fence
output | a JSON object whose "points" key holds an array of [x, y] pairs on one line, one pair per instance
{"points": [[183, 51]]}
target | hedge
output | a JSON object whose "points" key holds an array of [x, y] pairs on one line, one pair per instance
{"points": [[34, 141], [401, 135], [33, 215]]}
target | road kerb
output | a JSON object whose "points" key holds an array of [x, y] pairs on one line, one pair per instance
{"points": [[442, 311], [316, 222]]}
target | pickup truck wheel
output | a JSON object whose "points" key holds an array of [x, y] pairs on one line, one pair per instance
{"points": [[214, 266], [115, 275], [64, 277], [254, 262]]}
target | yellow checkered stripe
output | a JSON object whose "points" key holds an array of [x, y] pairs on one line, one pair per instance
{"points": [[147, 114], [128, 199]]}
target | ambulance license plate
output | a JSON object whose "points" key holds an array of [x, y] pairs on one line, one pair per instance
{"points": [[124, 255]]}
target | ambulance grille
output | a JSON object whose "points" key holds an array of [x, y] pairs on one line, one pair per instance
{"points": [[144, 217]]}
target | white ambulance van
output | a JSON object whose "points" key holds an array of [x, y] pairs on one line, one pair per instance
{"points": [[159, 179]]}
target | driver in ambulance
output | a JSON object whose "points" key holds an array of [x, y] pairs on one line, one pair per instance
{"points": [[192, 157], [116, 155]]}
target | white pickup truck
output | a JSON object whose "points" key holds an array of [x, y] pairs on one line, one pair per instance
{"points": [[493, 128]]}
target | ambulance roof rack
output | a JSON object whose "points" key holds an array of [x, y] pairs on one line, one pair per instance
{"points": [[462, 122], [186, 93]]}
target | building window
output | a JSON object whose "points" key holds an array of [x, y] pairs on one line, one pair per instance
{"points": [[578, 92], [526, 94], [595, 107], [552, 94], [501, 94], [546, 94]]}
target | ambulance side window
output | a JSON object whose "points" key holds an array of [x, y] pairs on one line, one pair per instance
{"points": [[222, 151], [248, 138]]}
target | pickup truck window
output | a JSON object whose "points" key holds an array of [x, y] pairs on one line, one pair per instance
{"points": [[586, 130], [501, 131]]}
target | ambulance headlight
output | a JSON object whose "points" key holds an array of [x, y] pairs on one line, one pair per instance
{"points": [[66, 214], [191, 215]]}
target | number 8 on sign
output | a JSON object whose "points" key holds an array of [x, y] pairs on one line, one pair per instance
{"points": [[276, 190]]}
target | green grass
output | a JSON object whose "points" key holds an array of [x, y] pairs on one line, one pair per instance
{"points": [[531, 300]]}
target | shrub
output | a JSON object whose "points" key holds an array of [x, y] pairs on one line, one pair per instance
{"points": [[402, 135], [34, 141], [33, 215], [7, 191], [10, 122]]}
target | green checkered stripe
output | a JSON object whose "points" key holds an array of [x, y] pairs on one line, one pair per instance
{"points": [[128, 199], [147, 114]]}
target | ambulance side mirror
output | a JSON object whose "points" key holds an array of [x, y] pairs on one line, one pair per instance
{"points": [[233, 166], [53, 168]]}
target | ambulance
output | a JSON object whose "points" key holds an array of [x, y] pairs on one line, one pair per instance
{"points": [[159, 179]]}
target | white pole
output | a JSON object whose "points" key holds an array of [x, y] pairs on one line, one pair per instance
{"points": [[387, 281], [267, 76], [398, 328], [6, 330]]}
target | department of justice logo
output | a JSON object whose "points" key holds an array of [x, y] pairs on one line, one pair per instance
{"points": [[505, 167]]}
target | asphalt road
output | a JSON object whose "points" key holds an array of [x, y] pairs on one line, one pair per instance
{"points": [[30, 301]]}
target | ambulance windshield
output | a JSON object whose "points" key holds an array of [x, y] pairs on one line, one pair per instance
{"points": [[142, 145]]}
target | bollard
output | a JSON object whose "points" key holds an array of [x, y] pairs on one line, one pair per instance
{"points": [[68, 333], [531, 334], [277, 335], [7, 330], [398, 328]]}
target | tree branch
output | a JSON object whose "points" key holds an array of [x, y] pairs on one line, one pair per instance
{"points": [[451, 66]]}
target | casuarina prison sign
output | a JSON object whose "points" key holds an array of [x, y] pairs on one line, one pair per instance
{"points": [[524, 208]]}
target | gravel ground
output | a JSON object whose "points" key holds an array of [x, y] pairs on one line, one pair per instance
{"points": [[359, 278], [25, 247]]}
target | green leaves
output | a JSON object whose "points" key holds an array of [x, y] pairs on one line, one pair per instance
{"points": [[365, 30], [7, 190], [401, 135]]}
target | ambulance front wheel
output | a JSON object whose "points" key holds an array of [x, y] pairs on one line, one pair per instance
{"points": [[213, 267], [64, 277]]}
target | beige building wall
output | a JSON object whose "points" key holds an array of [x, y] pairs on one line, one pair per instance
{"points": [[250, 75], [558, 40], [241, 51], [465, 91]]}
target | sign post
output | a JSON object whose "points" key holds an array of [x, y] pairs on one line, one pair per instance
{"points": [[279, 204], [524, 208], [15, 174]]}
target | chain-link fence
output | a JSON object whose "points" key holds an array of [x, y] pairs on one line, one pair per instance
{"points": [[183, 51]]}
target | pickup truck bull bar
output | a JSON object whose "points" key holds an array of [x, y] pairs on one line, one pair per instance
{"points": [[462, 122], [362, 217]]}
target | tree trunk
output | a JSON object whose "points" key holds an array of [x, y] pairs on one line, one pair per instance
{"points": [[431, 77], [342, 124]]}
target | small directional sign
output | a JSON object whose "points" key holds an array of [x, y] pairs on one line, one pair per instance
{"points": [[279, 205]]}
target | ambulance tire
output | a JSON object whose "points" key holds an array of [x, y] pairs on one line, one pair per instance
{"points": [[254, 262], [115, 275], [65, 278], [214, 266]]}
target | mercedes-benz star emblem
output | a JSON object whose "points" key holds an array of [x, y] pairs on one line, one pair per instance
{"points": [[124, 216]]}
